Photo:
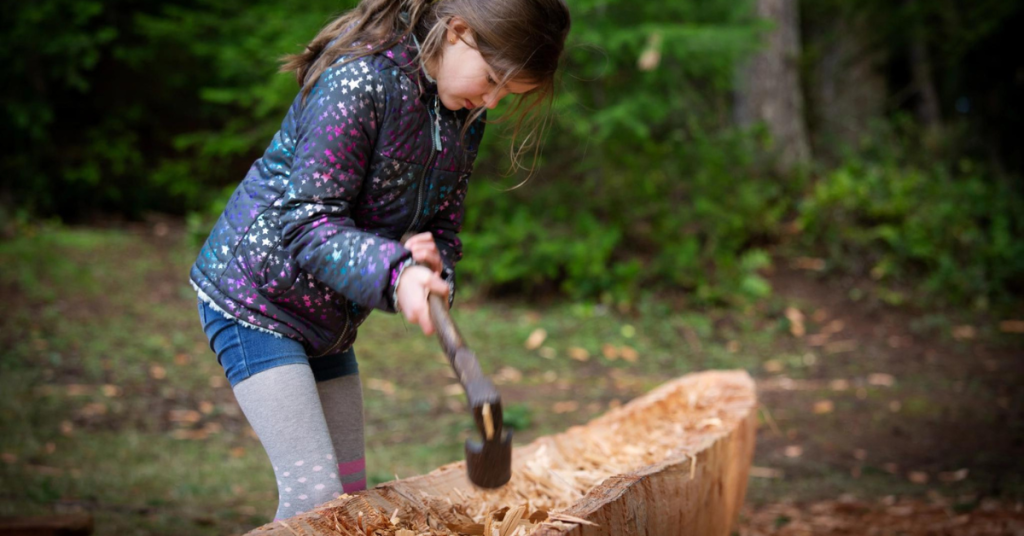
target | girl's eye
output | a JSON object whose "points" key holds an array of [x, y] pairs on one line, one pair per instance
{"points": [[491, 81]]}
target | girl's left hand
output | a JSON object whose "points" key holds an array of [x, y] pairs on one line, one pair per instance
{"points": [[424, 251]]}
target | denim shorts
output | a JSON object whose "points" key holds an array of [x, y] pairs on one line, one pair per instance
{"points": [[244, 351]]}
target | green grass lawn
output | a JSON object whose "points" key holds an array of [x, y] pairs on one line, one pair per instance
{"points": [[113, 403]]}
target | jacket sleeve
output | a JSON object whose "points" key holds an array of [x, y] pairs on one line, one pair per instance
{"points": [[336, 132]]}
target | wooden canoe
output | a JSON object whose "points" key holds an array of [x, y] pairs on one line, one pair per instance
{"points": [[674, 461]]}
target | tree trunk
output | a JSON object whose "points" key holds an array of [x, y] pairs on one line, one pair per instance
{"points": [[769, 87], [847, 88]]}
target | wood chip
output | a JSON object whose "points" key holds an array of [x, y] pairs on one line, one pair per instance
{"points": [[566, 518]]}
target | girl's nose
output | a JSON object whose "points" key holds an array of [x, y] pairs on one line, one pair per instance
{"points": [[491, 100]]}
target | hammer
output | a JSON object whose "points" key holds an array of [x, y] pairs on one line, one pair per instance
{"points": [[489, 461]]}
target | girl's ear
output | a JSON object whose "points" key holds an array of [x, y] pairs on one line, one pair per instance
{"points": [[458, 29]]}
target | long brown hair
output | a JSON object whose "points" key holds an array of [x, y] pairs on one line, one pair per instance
{"points": [[521, 40]]}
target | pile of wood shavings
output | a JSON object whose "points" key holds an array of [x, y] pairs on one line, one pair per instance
{"points": [[666, 424]]}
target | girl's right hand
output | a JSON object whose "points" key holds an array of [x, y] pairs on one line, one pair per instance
{"points": [[414, 285]]}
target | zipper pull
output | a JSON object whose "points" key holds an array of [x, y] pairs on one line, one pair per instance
{"points": [[437, 123]]}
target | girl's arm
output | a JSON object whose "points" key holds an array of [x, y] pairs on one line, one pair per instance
{"points": [[336, 129]]}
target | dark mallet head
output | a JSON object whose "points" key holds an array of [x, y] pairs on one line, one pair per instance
{"points": [[489, 462]]}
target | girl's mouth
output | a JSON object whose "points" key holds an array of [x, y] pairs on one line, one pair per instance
{"points": [[469, 104]]}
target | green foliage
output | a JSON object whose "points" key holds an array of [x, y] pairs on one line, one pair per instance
{"points": [[956, 236], [643, 185]]}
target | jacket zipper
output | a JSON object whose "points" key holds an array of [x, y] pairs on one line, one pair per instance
{"points": [[435, 146]]}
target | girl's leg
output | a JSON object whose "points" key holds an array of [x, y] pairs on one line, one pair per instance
{"points": [[342, 400], [283, 407]]}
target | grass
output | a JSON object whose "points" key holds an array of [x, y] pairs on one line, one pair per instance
{"points": [[113, 402]]}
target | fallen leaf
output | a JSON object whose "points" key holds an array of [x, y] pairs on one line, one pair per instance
{"points": [[181, 359], [508, 374], [834, 327], [536, 339], [453, 389], [547, 352], [860, 454], [1012, 326], [628, 331], [206, 407], [808, 263], [190, 435], [383, 386], [93, 409], [954, 476], [9, 457], [895, 406], [823, 406], [881, 379], [157, 372], [184, 415], [629, 354], [77, 389], [839, 385], [238, 452], [218, 381], [793, 451], [66, 428], [579, 354], [111, 391], [964, 332], [567, 406], [732, 347], [891, 468], [918, 477], [773, 366], [610, 352], [796, 321]]}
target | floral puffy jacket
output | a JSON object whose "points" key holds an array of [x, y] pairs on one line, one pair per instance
{"points": [[308, 244]]}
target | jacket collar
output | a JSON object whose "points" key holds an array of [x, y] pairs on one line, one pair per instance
{"points": [[405, 54]]}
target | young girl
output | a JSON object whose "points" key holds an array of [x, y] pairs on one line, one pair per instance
{"points": [[378, 145]]}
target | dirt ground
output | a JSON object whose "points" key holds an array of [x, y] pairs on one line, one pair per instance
{"points": [[905, 422]]}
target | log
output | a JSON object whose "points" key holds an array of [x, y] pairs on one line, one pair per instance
{"points": [[674, 461]]}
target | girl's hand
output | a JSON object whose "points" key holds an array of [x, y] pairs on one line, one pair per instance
{"points": [[424, 251], [414, 285]]}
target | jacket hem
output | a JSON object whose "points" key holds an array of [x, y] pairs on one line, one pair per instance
{"points": [[209, 301]]}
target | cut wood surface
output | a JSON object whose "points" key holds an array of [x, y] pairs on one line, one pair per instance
{"points": [[674, 461]]}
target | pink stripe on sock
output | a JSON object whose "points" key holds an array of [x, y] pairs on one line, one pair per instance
{"points": [[352, 487], [355, 466]]}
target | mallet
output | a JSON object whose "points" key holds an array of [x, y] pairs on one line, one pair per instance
{"points": [[488, 462]]}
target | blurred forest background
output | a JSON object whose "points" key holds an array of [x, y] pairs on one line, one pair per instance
{"points": [[689, 138], [825, 193]]}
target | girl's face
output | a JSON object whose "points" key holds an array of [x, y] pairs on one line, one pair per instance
{"points": [[464, 79]]}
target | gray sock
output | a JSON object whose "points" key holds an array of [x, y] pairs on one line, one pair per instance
{"points": [[283, 407], [342, 400]]}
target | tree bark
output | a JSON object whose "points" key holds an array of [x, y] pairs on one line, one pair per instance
{"points": [[769, 89]]}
